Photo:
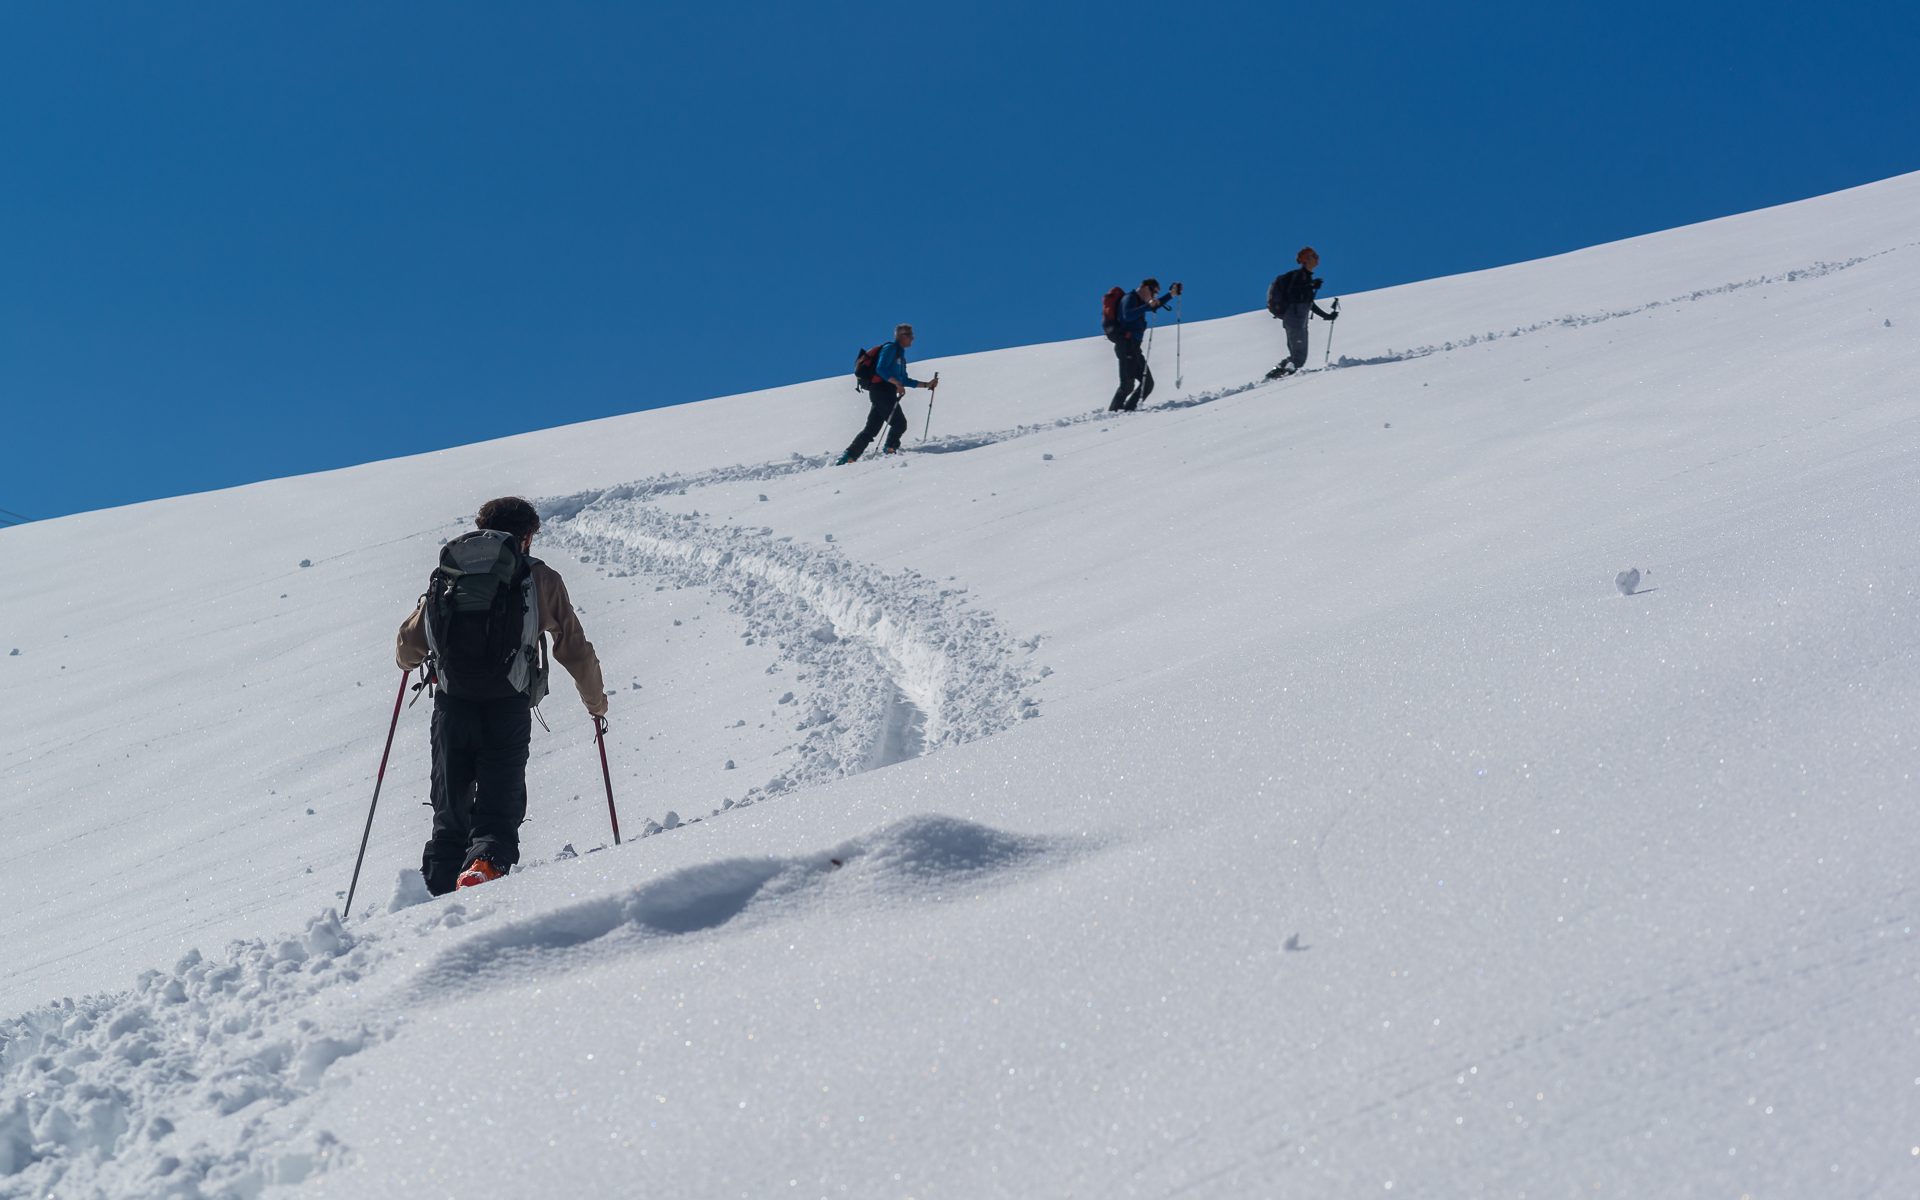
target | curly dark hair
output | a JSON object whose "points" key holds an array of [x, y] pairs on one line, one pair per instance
{"points": [[509, 514]]}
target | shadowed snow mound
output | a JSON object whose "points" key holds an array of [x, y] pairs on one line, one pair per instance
{"points": [[920, 857]]}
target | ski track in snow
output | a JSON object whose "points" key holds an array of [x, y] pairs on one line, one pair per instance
{"points": [[895, 665], [670, 484], [1576, 320], [198, 1082]]}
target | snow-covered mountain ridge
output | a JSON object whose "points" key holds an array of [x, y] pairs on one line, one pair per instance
{"points": [[1268, 793]]}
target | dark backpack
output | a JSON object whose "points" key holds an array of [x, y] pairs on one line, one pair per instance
{"points": [[482, 611], [865, 365], [1287, 291], [1110, 313]]}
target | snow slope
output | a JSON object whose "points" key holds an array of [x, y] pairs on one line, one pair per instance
{"points": [[1268, 793]]}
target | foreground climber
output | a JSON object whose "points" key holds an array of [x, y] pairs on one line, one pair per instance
{"points": [[482, 627]]}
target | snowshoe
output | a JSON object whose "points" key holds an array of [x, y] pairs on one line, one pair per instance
{"points": [[1283, 370]]}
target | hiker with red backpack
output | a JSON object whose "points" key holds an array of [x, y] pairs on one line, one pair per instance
{"points": [[1123, 317], [1292, 297], [481, 629], [882, 373]]}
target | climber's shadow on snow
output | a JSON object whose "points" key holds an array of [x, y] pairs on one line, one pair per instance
{"points": [[916, 859]]}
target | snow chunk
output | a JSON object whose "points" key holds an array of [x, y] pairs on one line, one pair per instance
{"points": [[409, 889]]}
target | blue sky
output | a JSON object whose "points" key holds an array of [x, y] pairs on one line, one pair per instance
{"points": [[243, 240]]}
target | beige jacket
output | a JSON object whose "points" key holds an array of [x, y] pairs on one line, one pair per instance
{"points": [[571, 649]]}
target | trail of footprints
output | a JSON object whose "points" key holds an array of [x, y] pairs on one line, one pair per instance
{"points": [[894, 664]]}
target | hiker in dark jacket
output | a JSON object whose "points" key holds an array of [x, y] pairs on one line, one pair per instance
{"points": [[884, 392], [1136, 378], [481, 736], [1291, 298]]}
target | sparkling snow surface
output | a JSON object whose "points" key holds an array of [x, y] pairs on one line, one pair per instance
{"points": [[1281, 791]]}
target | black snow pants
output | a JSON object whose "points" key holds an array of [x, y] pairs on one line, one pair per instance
{"points": [[1136, 378], [884, 401], [479, 785], [1294, 317]]}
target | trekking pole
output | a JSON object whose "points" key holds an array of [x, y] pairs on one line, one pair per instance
{"points": [[931, 393], [1177, 376], [377, 781], [1329, 355], [600, 736]]}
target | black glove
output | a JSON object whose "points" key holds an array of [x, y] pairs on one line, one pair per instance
{"points": [[1316, 286], [1176, 289], [1334, 315]]}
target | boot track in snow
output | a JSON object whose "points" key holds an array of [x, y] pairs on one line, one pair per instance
{"points": [[896, 665]]}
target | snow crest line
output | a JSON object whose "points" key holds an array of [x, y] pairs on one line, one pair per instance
{"points": [[680, 484], [918, 858], [131, 1094], [896, 664]]}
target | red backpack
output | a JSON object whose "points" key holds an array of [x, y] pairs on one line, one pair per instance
{"points": [[1110, 313], [863, 367]]}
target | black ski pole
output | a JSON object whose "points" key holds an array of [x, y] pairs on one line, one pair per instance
{"points": [[1329, 355], [377, 781], [600, 736], [930, 395]]}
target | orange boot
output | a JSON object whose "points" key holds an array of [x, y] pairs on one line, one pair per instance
{"points": [[479, 872]]}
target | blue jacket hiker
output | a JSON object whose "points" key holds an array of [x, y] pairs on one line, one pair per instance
{"points": [[1136, 378], [892, 363], [885, 389]]}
